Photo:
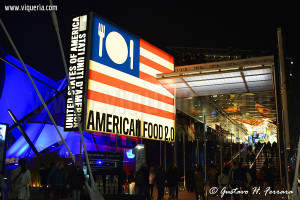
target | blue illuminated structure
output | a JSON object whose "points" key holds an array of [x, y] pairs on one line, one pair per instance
{"points": [[99, 162], [17, 94], [129, 154]]}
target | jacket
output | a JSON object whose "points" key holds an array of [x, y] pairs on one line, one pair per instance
{"points": [[151, 177], [22, 183], [76, 179], [57, 177], [199, 182], [172, 176], [160, 178], [223, 181], [240, 175]]}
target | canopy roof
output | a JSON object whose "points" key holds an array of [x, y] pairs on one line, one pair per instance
{"points": [[239, 91]]}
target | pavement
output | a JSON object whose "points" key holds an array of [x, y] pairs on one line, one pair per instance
{"points": [[213, 194]]}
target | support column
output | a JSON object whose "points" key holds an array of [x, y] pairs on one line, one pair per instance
{"points": [[24, 134], [239, 146], [116, 142], [165, 155], [205, 168], [198, 155], [175, 150], [160, 152], [221, 147], [183, 141], [284, 101]]}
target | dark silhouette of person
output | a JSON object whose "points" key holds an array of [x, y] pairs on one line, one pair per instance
{"points": [[76, 181], [160, 179], [199, 182], [44, 173], [143, 187]]}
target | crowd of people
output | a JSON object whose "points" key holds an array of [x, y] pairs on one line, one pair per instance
{"points": [[237, 175], [53, 181], [146, 177], [233, 175]]}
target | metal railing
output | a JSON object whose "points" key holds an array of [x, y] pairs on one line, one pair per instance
{"points": [[237, 154], [257, 156]]}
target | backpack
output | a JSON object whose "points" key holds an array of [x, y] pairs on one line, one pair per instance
{"points": [[140, 177]]}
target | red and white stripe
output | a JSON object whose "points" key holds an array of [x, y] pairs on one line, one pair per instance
{"points": [[115, 92]]}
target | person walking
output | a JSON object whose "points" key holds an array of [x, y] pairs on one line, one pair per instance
{"points": [[57, 180], [20, 178], [177, 181], [231, 180], [240, 179], [122, 183], [223, 183], [199, 183], [44, 177], [265, 169], [151, 180], [260, 178], [76, 181], [271, 176], [189, 179], [160, 179], [249, 180], [171, 181], [212, 175], [142, 181], [131, 183]]}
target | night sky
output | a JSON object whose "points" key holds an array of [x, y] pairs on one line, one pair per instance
{"points": [[202, 24]]}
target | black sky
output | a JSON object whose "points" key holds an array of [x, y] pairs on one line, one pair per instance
{"points": [[187, 23], [203, 24]]}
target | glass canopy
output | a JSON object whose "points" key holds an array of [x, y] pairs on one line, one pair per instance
{"points": [[237, 95]]}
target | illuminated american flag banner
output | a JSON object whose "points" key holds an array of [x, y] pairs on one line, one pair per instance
{"points": [[123, 95]]}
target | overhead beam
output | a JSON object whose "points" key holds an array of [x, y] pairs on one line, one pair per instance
{"points": [[251, 63], [204, 73]]}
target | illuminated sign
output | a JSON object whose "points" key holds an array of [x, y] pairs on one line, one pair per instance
{"points": [[105, 160], [77, 70], [122, 95], [3, 128], [129, 154], [3, 131], [254, 134]]}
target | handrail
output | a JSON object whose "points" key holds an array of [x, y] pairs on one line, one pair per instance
{"points": [[256, 156], [237, 154]]}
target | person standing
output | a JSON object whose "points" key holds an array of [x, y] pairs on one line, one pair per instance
{"points": [[189, 179], [212, 175], [223, 183], [20, 178], [76, 181], [231, 180], [44, 177], [131, 182], [142, 181], [199, 182], [151, 180], [240, 179], [177, 181], [271, 176], [121, 185], [160, 179], [171, 181], [57, 180]]}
